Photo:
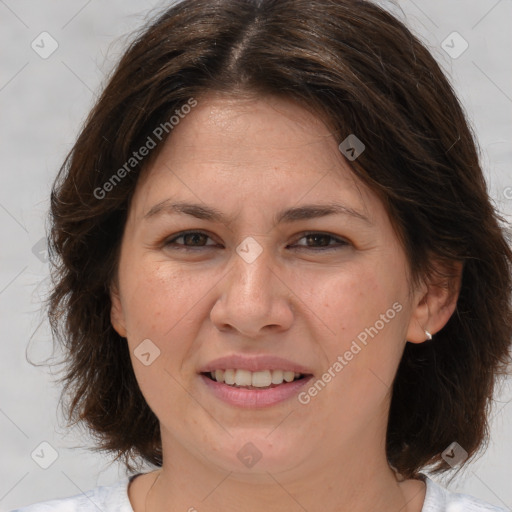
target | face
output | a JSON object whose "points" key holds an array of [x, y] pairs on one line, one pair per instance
{"points": [[328, 293]]}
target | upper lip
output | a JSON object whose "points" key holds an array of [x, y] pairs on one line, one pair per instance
{"points": [[254, 364]]}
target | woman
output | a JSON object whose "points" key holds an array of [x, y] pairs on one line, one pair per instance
{"points": [[277, 272]]}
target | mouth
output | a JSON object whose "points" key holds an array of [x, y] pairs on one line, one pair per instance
{"points": [[244, 379], [234, 388]]}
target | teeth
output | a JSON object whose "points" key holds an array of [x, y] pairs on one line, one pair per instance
{"points": [[260, 379], [277, 377], [228, 376], [243, 378]]}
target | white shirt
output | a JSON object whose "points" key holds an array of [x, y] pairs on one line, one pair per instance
{"points": [[114, 498]]}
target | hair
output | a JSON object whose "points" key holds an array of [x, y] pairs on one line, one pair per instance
{"points": [[355, 65]]}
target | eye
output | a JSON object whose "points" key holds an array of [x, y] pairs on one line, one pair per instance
{"points": [[321, 241], [315, 241], [191, 240]]}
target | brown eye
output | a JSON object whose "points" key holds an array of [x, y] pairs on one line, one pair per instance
{"points": [[321, 241], [190, 239]]}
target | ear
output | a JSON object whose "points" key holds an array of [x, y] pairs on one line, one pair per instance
{"points": [[116, 311], [434, 303]]}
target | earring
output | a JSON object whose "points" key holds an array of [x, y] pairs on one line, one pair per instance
{"points": [[429, 336]]}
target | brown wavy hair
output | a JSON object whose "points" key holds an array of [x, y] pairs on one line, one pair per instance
{"points": [[358, 67]]}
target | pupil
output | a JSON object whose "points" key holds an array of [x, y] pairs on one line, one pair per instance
{"points": [[193, 237], [322, 237]]}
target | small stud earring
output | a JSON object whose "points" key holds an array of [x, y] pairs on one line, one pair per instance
{"points": [[429, 336]]}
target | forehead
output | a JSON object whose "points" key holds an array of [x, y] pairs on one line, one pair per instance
{"points": [[246, 146], [235, 130]]}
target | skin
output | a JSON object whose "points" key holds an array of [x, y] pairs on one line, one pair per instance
{"points": [[250, 158]]}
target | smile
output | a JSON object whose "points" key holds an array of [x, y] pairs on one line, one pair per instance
{"points": [[250, 396], [248, 379]]}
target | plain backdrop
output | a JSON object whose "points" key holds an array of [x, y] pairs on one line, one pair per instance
{"points": [[43, 102]]}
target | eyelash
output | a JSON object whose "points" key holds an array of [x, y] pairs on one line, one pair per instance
{"points": [[171, 241]]}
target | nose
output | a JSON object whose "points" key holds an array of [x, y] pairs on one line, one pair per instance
{"points": [[253, 299]]}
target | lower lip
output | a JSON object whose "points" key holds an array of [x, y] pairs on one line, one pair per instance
{"points": [[255, 398]]}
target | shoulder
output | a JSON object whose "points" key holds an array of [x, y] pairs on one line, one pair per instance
{"points": [[439, 499], [112, 498]]}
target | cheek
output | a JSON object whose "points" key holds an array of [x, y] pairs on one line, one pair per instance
{"points": [[366, 312], [158, 298], [160, 303], [351, 301]]}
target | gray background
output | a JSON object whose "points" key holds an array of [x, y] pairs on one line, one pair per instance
{"points": [[43, 103]]}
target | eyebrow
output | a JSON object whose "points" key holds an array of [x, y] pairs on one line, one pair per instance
{"points": [[298, 213]]}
